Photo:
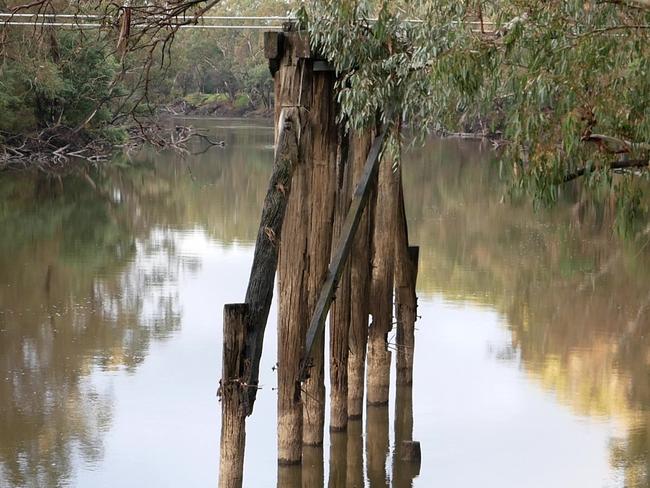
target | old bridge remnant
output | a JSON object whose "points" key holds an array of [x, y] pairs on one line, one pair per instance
{"points": [[334, 226]]}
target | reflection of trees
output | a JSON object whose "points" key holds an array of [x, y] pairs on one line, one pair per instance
{"points": [[87, 281], [220, 190], [576, 297], [79, 291]]}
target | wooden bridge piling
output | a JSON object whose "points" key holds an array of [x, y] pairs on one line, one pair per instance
{"points": [[233, 397], [322, 169], [294, 89], [359, 283], [244, 324], [259, 292], [381, 287], [331, 246], [340, 311], [406, 271]]}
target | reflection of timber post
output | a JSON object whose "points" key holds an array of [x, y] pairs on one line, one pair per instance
{"points": [[289, 476], [313, 474], [377, 444], [381, 292], [404, 471], [338, 460], [359, 284], [354, 469], [233, 397]]}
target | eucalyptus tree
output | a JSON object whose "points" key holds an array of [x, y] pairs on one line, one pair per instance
{"points": [[562, 85]]}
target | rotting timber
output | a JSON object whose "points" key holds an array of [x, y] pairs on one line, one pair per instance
{"points": [[333, 227]]}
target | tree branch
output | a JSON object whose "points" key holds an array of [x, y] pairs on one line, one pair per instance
{"points": [[631, 163]]}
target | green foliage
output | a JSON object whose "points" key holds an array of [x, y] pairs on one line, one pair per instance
{"points": [[63, 84], [563, 84], [114, 135], [197, 99], [226, 62], [242, 101]]}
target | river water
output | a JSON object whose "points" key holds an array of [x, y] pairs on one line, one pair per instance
{"points": [[532, 361]]}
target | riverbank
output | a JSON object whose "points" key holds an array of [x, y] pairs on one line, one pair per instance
{"points": [[56, 148], [216, 105]]}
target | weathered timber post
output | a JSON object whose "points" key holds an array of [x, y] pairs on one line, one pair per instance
{"points": [[259, 293], [377, 445], [322, 165], [293, 81], [359, 285], [340, 311], [343, 248], [406, 271], [381, 288], [354, 471], [233, 397]]}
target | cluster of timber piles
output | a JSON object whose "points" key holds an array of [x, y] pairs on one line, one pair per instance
{"points": [[334, 227]]}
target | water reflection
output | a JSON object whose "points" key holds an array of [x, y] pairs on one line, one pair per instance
{"points": [[89, 278], [354, 463], [575, 297], [532, 354], [404, 472], [77, 293]]}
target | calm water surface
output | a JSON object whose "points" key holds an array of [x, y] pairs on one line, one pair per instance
{"points": [[532, 363]]}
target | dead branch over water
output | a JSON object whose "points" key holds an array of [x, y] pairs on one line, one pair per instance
{"points": [[54, 148]]}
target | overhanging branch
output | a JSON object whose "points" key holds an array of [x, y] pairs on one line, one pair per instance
{"points": [[628, 164]]}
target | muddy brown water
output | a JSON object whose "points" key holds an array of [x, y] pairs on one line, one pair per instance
{"points": [[532, 361]]}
